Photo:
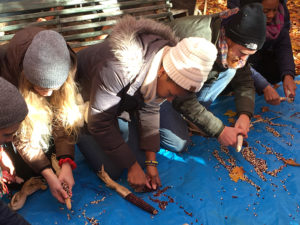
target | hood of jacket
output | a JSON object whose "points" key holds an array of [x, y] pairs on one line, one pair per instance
{"points": [[12, 65], [135, 41]]}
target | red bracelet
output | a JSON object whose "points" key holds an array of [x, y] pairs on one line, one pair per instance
{"points": [[67, 160]]}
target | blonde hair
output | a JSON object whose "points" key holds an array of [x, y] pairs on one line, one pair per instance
{"points": [[62, 109]]}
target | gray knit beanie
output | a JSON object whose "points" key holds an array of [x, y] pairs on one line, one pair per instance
{"points": [[13, 108], [47, 60]]}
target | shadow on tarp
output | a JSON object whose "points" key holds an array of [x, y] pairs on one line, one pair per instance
{"points": [[201, 191]]}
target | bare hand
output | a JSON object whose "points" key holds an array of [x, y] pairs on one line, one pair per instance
{"points": [[137, 178], [55, 185], [271, 95], [153, 177], [243, 122], [289, 86], [66, 176], [228, 137]]}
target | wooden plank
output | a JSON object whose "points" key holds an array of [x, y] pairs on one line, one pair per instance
{"points": [[6, 37], [83, 44], [86, 35], [17, 6], [85, 17], [86, 26], [78, 10], [114, 13], [35, 6], [23, 25], [81, 26], [78, 24]]}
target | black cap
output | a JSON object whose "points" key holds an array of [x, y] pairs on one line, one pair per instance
{"points": [[248, 26]]}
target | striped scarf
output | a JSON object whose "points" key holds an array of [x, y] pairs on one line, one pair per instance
{"points": [[223, 47], [224, 51]]}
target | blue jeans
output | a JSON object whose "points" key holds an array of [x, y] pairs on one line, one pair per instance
{"points": [[173, 129], [96, 156]]}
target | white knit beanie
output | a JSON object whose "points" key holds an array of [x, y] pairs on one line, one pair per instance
{"points": [[189, 62]]}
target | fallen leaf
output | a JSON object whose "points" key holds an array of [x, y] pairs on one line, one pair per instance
{"points": [[290, 162], [231, 120], [297, 81], [237, 173], [264, 109], [257, 116], [230, 113]]}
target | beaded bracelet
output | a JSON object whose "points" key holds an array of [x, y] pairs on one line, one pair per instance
{"points": [[67, 160], [151, 163]]}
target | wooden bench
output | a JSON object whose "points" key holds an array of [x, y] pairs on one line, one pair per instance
{"points": [[81, 22]]}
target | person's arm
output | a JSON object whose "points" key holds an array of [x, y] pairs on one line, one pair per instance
{"points": [[190, 108], [260, 82], [152, 172], [244, 92], [284, 55], [148, 117], [65, 148], [194, 111], [38, 161], [106, 93], [262, 86], [55, 185], [289, 86], [34, 157], [271, 95]]}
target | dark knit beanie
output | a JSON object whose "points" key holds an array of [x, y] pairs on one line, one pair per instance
{"points": [[13, 108], [248, 27], [47, 60]]}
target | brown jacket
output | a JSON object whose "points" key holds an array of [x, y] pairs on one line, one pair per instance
{"points": [[111, 80], [12, 56]]}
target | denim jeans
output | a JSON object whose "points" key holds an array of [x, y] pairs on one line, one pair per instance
{"points": [[96, 156], [173, 129]]}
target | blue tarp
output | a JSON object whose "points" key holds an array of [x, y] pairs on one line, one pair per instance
{"points": [[200, 189]]}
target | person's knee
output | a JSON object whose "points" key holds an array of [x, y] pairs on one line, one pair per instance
{"points": [[173, 142], [96, 157]]}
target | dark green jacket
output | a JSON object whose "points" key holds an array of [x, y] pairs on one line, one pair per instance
{"points": [[242, 84]]}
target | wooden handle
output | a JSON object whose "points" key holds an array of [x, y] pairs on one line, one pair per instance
{"points": [[288, 99], [123, 191], [239, 143], [68, 203]]}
